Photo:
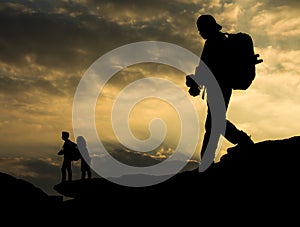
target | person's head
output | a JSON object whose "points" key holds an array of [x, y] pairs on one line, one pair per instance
{"points": [[207, 26], [80, 140], [65, 135]]}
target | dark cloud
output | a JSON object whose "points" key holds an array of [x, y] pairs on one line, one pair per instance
{"points": [[23, 86], [55, 41], [70, 36], [30, 96], [68, 42], [140, 71], [40, 167], [293, 3]]}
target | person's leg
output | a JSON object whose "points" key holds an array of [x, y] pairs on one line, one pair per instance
{"points": [[89, 173], [83, 169], [63, 172], [83, 174], [226, 91], [236, 136], [232, 133], [207, 132], [69, 169]]}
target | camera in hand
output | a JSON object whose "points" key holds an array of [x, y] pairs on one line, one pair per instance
{"points": [[194, 87]]}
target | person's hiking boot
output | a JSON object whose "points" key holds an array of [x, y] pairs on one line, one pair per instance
{"points": [[245, 142]]}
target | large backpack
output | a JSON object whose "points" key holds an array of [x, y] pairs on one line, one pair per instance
{"points": [[241, 60], [75, 152]]}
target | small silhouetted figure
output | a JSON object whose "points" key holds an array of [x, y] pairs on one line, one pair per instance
{"points": [[85, 159], [66, 151], [214, 55]]}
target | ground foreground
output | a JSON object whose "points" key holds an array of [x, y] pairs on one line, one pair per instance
{"points": [[257, 184]]}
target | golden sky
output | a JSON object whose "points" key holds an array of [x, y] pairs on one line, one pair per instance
{"points": [[47, 46]]}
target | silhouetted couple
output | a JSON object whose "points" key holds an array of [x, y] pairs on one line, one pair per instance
{"points": [[67, 152], [215, 55]]}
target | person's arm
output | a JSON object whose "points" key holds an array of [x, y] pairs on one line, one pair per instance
{"points": [[195, 88], [61, 152]]}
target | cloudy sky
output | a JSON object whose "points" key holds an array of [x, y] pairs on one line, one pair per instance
{"points": [[46, 47]]}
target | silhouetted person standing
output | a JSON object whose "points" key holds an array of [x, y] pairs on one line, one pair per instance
{"points": [[214, 55], [85, 159], [66, 151]]}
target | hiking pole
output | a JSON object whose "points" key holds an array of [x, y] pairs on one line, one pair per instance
{"points": [[203, 92]]}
